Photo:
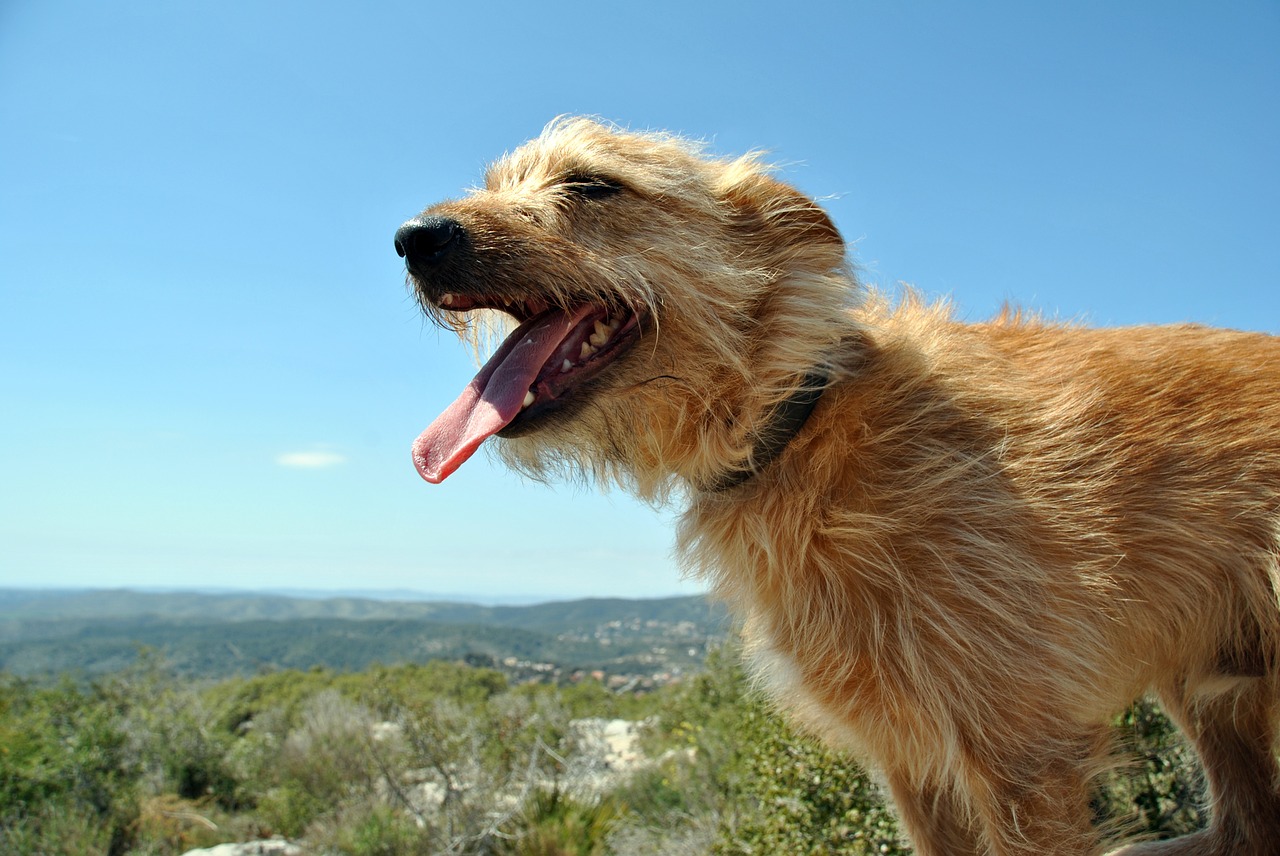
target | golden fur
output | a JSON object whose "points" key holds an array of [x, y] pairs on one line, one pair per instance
{"points": [[986, 540]]}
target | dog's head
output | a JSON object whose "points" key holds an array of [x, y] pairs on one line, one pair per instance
{"points": [[659, 300]]}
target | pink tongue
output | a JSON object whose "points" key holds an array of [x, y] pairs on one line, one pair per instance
{"points": [[494, 397]]}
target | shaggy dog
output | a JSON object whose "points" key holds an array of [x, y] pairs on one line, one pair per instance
{"points": [[958, 549]]}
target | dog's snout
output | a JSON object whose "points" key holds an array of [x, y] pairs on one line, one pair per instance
{"points": [[424, 240]]}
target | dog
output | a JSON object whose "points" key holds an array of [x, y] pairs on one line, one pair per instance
{"points": [[957, 549]]}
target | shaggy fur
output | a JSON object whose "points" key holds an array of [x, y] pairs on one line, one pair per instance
{"points": [[985, 541]]}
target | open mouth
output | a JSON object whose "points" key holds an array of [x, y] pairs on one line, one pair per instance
{"points": [[535, 371]]}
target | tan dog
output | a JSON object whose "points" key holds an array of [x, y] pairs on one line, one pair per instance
{"points": [[958, 549]]}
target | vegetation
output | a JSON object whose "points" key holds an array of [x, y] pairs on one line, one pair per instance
{"points": [[450, 758]]}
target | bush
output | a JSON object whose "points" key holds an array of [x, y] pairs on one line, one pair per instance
{"points": [[380, 830], [556, 824], [53, 827], [321, 764], [176, 739], [1159, 792], [792, 795], [771, 789], [67, 781]]}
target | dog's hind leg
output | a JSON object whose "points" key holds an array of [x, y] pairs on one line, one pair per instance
{"points": [[1234, 733]]}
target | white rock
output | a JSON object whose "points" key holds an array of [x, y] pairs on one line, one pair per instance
{"points": [[266, 847]]}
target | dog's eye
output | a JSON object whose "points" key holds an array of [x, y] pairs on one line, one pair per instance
{"points": [[590, 186]]}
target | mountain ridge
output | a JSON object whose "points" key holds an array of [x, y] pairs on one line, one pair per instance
{"points": [[91, 632]]}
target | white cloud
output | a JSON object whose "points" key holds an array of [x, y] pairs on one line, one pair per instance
{"points": [[310, 460]]}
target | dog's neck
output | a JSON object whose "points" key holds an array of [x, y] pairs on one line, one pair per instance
{"points": [[784, 424]]}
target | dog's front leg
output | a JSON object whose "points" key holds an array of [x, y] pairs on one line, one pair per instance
{"points": [[1034, 803], [937, 823], [1003, 801]]}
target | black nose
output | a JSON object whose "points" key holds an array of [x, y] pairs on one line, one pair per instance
{"points": [[424, 240]]}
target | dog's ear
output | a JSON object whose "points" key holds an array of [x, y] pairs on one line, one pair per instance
{"points": [[764, 206]]}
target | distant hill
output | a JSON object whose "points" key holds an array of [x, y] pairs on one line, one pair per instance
{"points": [[45, 633], [26, 605]]}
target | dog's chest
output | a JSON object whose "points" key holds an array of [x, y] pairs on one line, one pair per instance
{"points": [[820, 640]]}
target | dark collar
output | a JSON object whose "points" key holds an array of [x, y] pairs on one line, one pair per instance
{"points": [[784, 424]]}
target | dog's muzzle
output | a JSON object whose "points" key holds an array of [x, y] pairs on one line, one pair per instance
{"points": [[424, 242]]}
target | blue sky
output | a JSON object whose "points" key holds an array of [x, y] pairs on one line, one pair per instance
{"points": [[211, 372]]}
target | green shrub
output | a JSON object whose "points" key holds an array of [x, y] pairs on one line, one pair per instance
{"points": [[553, 823], [771, 789], [1159, 791], [792, 795], [180, 745], [289, 809], [381, 831], [66, 775], [319, 765], [57, 827]]}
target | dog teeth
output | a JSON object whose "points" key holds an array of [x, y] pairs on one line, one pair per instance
{"points": [[601, 335], [446, 300], [528, 399]]}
